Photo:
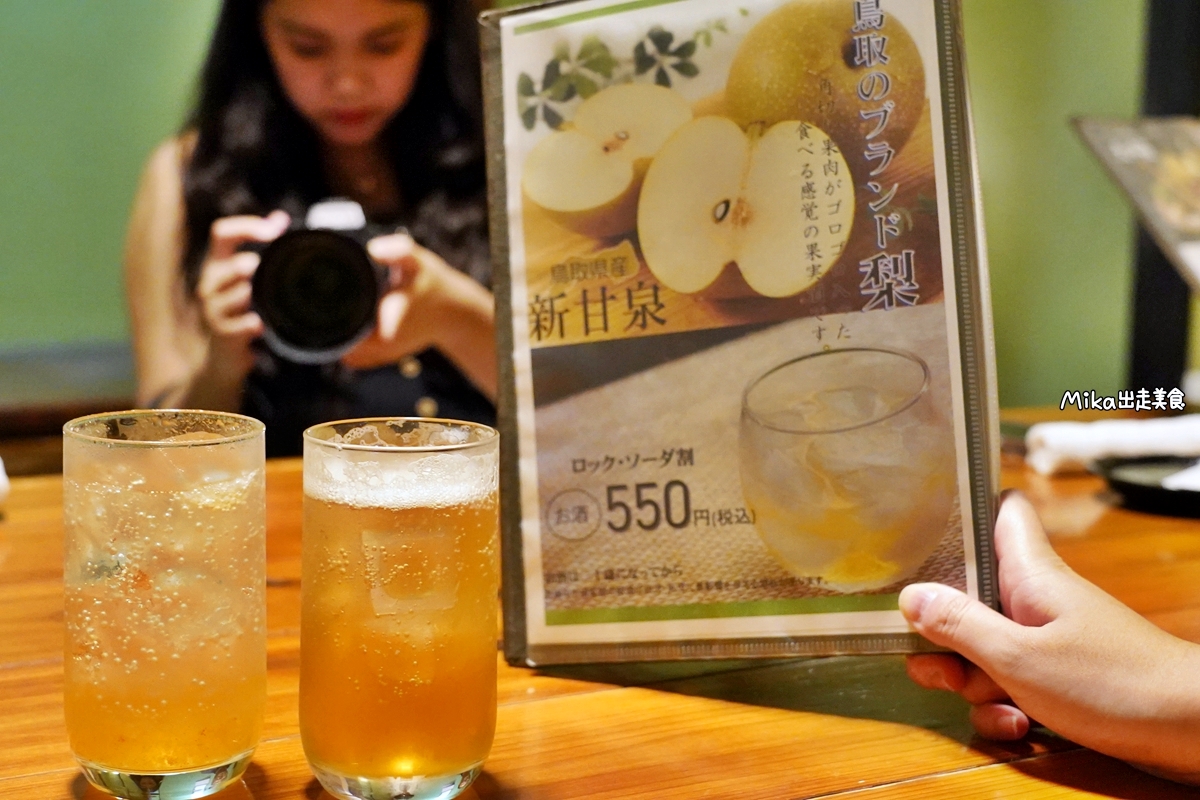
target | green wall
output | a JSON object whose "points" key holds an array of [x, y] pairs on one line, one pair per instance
{"points": [[1060, 236], [87, 88]]}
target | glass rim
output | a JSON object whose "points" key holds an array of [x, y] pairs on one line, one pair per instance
{"points": [[909, 403], [71, 428], [310, 435]]}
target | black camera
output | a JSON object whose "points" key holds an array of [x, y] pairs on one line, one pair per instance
{"points": [[316, 288]]}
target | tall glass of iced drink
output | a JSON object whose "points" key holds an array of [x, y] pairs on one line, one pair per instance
{"points": [[164, 581], [399, 605]]}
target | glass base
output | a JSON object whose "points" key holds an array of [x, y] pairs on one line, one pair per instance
{"points": [[418, 787], [185, 785]]}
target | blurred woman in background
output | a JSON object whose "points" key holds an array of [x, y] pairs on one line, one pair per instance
{"points": [[377, 101]]}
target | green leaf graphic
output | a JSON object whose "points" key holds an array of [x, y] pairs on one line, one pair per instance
{"points": [[584, 85], [685, 50], [662, 39], [529, 117], [643, 62], [563, 89], [662, 78], [601, 64], [686, 68], [552, 117], [591, 48], [553, 70], [525, 87]]}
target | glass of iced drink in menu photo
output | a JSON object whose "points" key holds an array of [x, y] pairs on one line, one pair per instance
{"points": [[164, 588], [848, 465], [399, 605]]}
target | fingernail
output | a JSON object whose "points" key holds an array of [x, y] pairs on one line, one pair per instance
{"points": [[913, 600], [937, 677]]}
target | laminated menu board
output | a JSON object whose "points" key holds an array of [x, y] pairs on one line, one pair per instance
{"points": [[747, 384], [1156, 162]]}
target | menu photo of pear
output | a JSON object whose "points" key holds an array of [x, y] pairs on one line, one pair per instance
{"points": [[747, 373]]}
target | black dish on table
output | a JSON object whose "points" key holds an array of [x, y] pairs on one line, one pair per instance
{"points": [[1139, 482]]}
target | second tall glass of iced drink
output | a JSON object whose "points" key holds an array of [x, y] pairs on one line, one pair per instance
{"points": [[165, 667], [399, 605]]}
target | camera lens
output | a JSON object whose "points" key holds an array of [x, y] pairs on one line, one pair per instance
{"points": [[316, 292]]}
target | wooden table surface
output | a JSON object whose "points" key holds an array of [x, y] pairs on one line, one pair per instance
{"points": [[839, 727]]}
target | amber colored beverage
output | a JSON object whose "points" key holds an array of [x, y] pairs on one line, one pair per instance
{"points": [[164, 590], [399, 606]]}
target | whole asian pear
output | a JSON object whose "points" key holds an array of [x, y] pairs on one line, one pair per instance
{"points": [[806, 61]]}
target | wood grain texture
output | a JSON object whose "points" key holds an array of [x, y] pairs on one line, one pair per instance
{"points": [[1078, 774], [643, 742], [840, 727], [279, 773]]}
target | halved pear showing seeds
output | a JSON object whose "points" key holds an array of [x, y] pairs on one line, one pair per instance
{"points": [[779, 203], [686, 206], [588, 174]]}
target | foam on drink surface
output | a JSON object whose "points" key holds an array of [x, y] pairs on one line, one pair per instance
{"points": [[372, 480]]}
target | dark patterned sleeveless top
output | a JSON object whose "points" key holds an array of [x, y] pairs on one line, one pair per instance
{"points": [[289, 397]]}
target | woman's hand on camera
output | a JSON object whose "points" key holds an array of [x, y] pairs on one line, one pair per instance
{"points": [[428, 304], [223, 289], [1065, 653], [407, 315]]}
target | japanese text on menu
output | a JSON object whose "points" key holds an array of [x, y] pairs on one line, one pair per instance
{"points": [[889, 276]]}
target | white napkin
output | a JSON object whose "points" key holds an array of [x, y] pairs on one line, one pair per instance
{"points": [[4, 487], [1186, 479], [1052, 447]]}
